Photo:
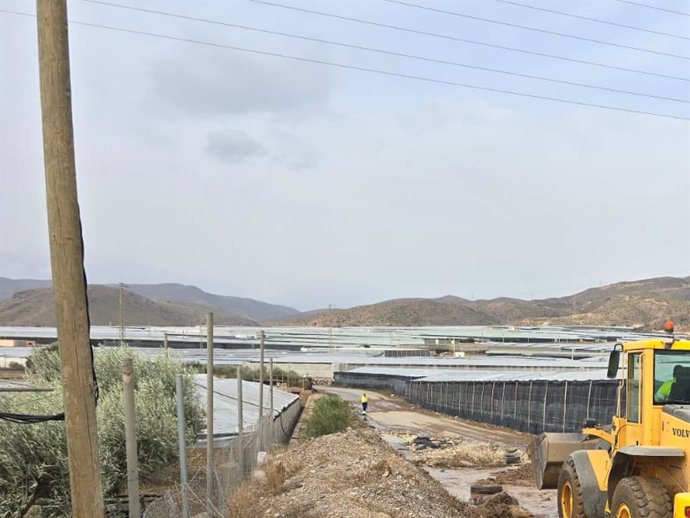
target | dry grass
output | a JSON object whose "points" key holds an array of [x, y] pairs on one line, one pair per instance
{"points": [[276, 475], [246, 501]]}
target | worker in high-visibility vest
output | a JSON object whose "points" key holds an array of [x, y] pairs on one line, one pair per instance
{"points": [[665, 389], [365, 403]]}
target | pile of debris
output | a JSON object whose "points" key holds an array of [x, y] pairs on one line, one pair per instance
{"points": [[354, 474], [522, 475], [450, 451]]}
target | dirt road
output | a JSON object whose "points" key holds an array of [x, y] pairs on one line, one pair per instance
{"points": [[394, 412], [391, 415]]}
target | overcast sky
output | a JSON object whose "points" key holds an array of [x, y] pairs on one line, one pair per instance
{"points": [[308, 185]]}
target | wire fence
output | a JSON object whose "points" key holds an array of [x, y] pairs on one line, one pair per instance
{"points": [[395, 383], [234, 460], [528, 406]]}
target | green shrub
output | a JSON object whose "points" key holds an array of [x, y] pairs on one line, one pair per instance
{"points": [[13, 366], [330, 415], [33, 460]]}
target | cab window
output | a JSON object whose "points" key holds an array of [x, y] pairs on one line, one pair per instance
{"points": [[633, 387], [671, 377]]}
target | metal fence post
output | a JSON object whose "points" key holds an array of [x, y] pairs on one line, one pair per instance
{"points": [[529, 405], [543, 422], [515, 407], [565, 403], [461, 397], [503, 400], [589, 397], [270, 390], [179, 389], [474, 390], [481, 405], [493, 388], [240, 421], [131, 438], [262, 336]]}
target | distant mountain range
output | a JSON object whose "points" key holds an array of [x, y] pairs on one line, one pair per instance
{"points": [[30, 302], [645, 303]]}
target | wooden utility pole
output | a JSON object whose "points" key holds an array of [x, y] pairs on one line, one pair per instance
{"points": [[67, 261]]}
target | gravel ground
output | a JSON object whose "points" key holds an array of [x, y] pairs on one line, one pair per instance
{"points": [[353, 474]]}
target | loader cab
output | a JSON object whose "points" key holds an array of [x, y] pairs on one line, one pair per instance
{"points": [[654, 373]]}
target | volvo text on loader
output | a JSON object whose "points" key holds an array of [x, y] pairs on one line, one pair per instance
{"points": [[639, 466]]}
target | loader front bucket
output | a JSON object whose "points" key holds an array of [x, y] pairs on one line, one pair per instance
{"points": [[549, 451]]}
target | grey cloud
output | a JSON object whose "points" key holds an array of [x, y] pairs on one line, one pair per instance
{"points": [[298, 162], [233, 146], [217, 83]]}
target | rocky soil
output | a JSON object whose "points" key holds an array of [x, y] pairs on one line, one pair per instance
{"points": [[354, 474]]}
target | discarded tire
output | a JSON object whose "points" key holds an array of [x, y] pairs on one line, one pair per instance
{"points": [[486, 489], [512, 458]]}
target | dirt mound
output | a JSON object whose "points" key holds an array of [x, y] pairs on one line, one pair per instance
{"points": [[501, 505], [522, 475], [353, 474]]}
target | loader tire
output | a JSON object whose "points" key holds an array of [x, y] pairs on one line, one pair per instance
{"points": [[570, 501], [641, 497]]}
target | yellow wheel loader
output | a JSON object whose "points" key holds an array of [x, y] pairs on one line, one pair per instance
{"points": [[639, 466]]}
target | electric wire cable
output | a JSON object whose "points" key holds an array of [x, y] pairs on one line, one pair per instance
{"points": [[592, 19], [536, 29], [227, 396], [468, 41], [15, 405], [655, 7], [373, 70], [390, 52]]}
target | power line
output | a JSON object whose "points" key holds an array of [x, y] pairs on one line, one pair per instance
{"points": [[471, 42], [388, 52], [656, 8], [365, 69], [536, 29], [590, 19]]}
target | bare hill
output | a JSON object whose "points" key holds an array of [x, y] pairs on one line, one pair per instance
{"points": [[244, 307], [645, 303], [399, 312], [35, 308], [176, 294], [9, 287]]}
